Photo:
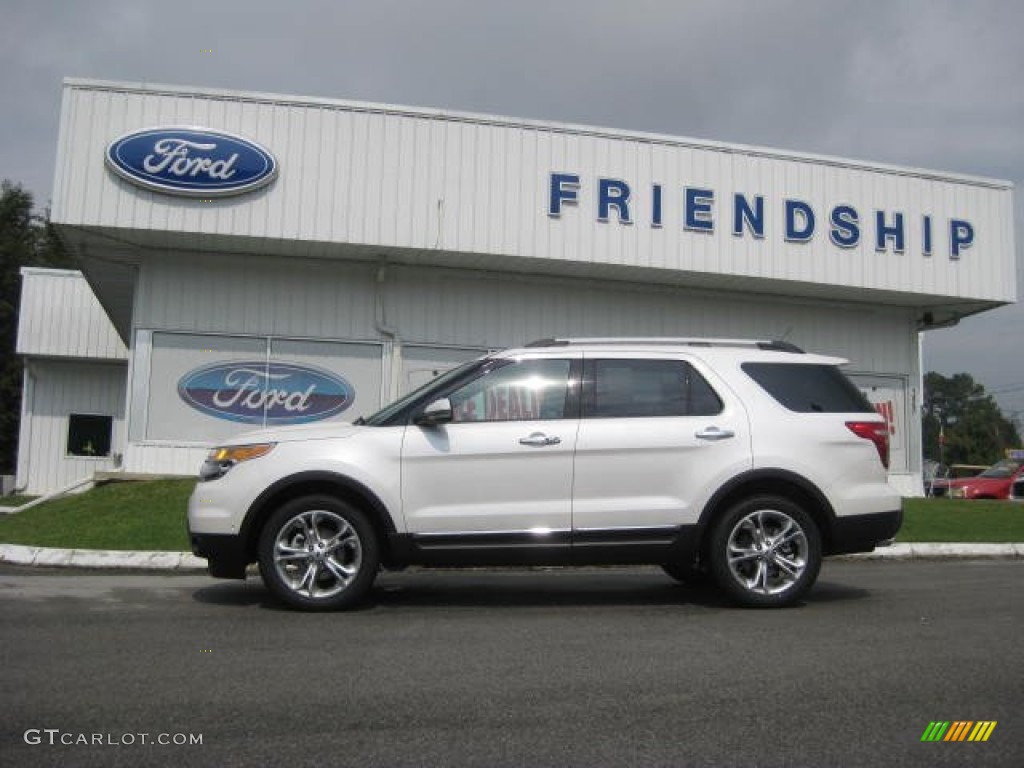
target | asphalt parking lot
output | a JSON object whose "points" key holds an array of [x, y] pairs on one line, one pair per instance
{"points": [[595, 667]]}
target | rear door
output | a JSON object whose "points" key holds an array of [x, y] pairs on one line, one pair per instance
{"points": [[657, 432]]}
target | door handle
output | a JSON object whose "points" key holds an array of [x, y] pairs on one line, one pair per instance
{"points": [[715, 433], [539, 439]]}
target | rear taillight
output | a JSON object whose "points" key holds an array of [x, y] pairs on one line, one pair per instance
{"points": [[875, 431]]}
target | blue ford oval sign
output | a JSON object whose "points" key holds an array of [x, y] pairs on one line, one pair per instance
{"points": [[196, 162], [254, 392]]}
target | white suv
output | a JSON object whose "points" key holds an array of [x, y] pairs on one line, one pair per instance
{"points": [[744, 462]]}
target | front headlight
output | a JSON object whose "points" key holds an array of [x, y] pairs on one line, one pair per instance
{"points": [[222, 459]]}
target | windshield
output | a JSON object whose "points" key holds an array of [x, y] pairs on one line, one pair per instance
{"points": [[385, 414], [1002, 469]]}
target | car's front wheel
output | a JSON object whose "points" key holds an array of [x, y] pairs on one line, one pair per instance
{"points": [[766, 551], [318, 553]]}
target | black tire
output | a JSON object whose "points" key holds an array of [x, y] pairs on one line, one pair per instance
{"points": [[765, 552], [318, 553], [693, 573]]}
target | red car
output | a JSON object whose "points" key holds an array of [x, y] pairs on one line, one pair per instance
{"points": [[993, 483]]}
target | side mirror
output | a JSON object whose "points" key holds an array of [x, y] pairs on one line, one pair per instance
{"points": [[438, 412]]}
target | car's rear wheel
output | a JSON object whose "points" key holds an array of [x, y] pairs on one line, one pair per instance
{"points": [[318, 553], [766, 552]]}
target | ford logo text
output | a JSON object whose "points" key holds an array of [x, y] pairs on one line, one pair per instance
{"points": [[258, 393], [197, 162]]}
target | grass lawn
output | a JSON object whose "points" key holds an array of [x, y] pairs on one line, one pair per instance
{"points": [[960, 520], [151, 516], [147, 515], [15, 500]]}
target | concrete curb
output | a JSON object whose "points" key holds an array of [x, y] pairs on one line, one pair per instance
{"points": [[17, 554], [912, 551]]}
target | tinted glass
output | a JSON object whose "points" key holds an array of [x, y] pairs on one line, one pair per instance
{"points": [[531, 390], [646, 388], [89, 435], [809, 388]]}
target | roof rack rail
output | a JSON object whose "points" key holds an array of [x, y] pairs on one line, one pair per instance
{"points": [[548, 343], [774, 346]]}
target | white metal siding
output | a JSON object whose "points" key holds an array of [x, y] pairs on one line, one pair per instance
{"points": [[320, 299], [217, 293], [476, 309], [427, 181], [60, 317], [56, 389], [164, 459]]}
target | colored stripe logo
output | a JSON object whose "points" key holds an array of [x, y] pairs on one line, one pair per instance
{"points": [[958, 730]]}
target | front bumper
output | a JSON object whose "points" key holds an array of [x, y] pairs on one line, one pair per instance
{"points": [[214, 525], [862, 533]]}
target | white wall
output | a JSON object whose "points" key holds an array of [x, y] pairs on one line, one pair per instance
{"points": [[53, 390], [59, 316], [324, 299], [331, 300]]}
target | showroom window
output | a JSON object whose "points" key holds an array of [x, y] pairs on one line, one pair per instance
{"points": [[203, 388], [89, 435]]}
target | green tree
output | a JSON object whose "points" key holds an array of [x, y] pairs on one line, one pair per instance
{"points": [[26, 239], [975, 431]]}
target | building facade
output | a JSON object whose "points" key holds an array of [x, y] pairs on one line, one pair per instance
{"points": [[269, 259], [74, 383]]}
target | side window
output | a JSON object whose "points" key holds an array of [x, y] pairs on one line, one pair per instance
{"points": [[646, 388], [89, 435], [530, 390], [809, 388]]}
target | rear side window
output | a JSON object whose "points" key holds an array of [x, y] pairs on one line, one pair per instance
{"points": [[646, 388], [809, 388]]}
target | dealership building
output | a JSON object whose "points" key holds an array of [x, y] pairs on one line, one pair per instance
{"points": [[252, 259]]}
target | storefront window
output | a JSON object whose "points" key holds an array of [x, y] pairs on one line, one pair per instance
{"points": [[202, 389]]}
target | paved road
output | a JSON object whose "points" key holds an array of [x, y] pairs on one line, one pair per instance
{"points": [[597, 667]]}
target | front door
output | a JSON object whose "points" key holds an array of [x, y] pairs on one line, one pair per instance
{"points": [[504, 464]]}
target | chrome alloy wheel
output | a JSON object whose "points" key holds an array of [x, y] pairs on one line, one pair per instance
{"points": [[767, 552], [317, 554]]}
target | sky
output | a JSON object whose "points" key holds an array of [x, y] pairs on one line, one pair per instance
{"points": [[936, 84]]}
